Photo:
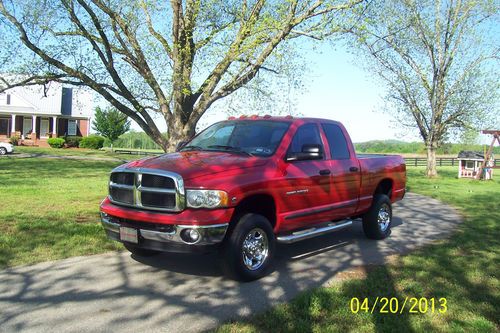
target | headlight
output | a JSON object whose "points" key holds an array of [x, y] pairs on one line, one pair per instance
{"points": [[206, 198]]}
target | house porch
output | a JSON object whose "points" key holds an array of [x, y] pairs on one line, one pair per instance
{"points": [[37, 129]]}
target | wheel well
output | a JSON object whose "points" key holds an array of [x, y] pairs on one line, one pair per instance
{"points": [[262, 204], [384, 187]]}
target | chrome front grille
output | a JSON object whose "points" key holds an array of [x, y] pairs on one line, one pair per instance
{"points": [[121, 194], [156, 181], [147, 189]]}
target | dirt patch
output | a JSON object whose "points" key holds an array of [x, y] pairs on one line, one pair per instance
{"points": [[85, 219]]}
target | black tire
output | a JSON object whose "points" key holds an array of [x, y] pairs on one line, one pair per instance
{"points": [[249, 228], [3, 151], [139, 251], [373, 226]]}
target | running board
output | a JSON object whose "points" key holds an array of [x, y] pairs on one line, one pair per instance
{"points": [[312, 232]]}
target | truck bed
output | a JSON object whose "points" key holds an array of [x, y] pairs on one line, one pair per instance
{"points": [[376, 168]]}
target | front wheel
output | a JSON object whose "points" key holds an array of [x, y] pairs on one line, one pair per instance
{"points": [[249, 250], [3, 151], [377, 221], [139, 251]]}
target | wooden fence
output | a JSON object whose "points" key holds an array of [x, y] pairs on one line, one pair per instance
{"points": [[440, 161], [134, 152]]}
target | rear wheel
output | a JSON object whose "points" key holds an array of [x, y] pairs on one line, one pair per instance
{"points": [[3, 150], [139, 251], [249, 250], [378, 220]]}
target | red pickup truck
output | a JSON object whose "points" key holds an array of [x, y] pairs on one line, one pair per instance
{"points": [[243, 185]]}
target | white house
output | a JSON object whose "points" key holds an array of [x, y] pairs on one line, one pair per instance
{"points": [[38, 112]]}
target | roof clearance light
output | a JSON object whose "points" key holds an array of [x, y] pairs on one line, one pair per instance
{"points": [[254, 116], [289, 117], [231, 118], [243, 116], [267, 116]]}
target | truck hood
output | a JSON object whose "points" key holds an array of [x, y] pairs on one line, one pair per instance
{"points": [[195, 164]]}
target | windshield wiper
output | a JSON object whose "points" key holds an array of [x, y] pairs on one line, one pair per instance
{"points": [[192, 148], [231, 149]]}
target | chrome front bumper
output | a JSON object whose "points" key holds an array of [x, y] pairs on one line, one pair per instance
{"points": [[209, 235]]}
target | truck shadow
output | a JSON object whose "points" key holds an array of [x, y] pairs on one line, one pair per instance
{"points": [[189, 293], [209, 264]]}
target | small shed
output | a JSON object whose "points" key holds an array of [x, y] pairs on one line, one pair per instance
{"points": [[469, 163]]}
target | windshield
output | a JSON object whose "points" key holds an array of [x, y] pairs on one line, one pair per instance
{"points": [[252, 137]]}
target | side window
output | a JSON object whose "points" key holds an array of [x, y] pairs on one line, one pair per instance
{"points": [[336, 141], [306, 134]]}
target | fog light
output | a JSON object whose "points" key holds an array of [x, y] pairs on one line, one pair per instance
{"points": [[190, 236]]}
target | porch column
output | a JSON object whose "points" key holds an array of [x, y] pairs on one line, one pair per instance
{"points": [[54, 128], [13, 125], [33, 130]]}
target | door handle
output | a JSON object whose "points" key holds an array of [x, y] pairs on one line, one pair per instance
{"points": [[324, 172], [353, 169]]}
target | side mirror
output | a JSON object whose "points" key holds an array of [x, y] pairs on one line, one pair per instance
{"points": [[180, 145], [309, 152]]}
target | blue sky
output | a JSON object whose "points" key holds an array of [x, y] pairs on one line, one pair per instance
{"points": [[338, 89], [342, 91]]}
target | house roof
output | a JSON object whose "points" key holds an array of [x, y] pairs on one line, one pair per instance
{"points": [[53, 98], [469, 154]]}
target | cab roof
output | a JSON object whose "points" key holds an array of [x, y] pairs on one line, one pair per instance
{"points": [[288, 118]]}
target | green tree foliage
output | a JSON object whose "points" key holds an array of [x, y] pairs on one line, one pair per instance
{"points": [[134, 140], [110, 123], [157, 60], [438, 60]]}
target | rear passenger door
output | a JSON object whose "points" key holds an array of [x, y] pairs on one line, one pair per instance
{"points": [[345, 172]]}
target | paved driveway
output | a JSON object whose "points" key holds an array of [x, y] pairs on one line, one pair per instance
{"points": [[115, 292]]}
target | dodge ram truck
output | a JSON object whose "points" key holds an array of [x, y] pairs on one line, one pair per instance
{"points": [[244, 184]]}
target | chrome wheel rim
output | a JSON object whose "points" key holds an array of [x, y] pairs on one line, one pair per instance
{"points": [[255, 249], [384, 217]]}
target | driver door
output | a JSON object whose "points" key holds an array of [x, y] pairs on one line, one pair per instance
{"points": [[307, 190]]}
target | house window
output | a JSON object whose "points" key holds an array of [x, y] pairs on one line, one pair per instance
{"points": [[27, 126], [469, 164], [44, 128], [8, 99], [4, 127], [71, 127]]}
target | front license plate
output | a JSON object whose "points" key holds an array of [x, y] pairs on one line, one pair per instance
{"points": [[128, 235]]}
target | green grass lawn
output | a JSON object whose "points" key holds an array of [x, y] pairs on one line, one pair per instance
{"points": [[464, 269], [49, 209], [66, 152]]}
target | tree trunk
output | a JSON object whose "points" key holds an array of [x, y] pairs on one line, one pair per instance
{"points": [[178, 131], [431, 161], [174, 140]]}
